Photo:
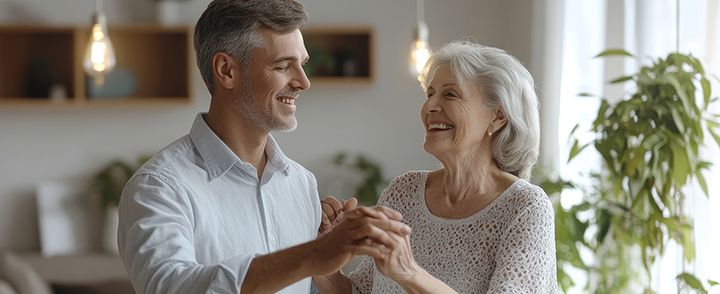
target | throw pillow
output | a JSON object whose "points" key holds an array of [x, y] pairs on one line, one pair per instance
{"points": [[22, 276], [5, 288]]}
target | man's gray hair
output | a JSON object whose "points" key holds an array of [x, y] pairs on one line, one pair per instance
{"points": [[508, 85], [231, 26]]}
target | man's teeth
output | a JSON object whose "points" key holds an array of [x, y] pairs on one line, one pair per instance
{"points": [[287, 100], [440, 127]]}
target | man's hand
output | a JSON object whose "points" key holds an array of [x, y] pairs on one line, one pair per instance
{"points": [[332, 210], [365, 224]]}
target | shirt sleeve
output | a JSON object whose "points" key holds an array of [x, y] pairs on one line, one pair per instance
{"points": [[525, 260], [362, 277], [155, 239]]}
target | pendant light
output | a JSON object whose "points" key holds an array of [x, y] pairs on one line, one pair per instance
{"points": [[419, 49], [99, 54]]}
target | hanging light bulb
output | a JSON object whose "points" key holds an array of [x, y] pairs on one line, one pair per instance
{"points": [[99, 55], [419, 49]]}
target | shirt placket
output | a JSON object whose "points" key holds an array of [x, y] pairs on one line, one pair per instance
{"points": [[271, 234]]}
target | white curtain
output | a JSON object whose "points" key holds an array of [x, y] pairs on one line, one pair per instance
{"points": [[646, 28]]}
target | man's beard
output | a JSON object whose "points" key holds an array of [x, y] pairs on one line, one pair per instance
{"points": [[262, 115]]}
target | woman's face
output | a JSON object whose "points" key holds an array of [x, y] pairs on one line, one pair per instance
{"points": [[456, 117]]}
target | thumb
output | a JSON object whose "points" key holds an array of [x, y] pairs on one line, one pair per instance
{"points": [[350, 204]]}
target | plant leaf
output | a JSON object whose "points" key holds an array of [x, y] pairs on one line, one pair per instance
{"points": [[701, 182], [613, 52], [585, 94], [576, 149], [712, 283], [715, 136], [621, 79], [692, 281], [707, 91], [680, 168]]}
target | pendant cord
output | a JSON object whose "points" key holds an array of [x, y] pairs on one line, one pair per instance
{"points": [[677, 26], [420, 11]]}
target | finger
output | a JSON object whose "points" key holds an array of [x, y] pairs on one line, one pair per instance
{"points": [[375, 233], [350, 204], [372, 251], [372, 212], [389, 212], [325, 224], [391, 226], [333, 202], [328, 211], [353, 214]]}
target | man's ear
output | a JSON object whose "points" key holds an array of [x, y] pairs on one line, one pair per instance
{"points": [[499, 120], [224, 69]]}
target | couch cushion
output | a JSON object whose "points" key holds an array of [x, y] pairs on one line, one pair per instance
{"points": [[22, 276], [5, 288]]}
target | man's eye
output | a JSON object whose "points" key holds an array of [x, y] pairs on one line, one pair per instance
{"points": [[450, 94], [282, 68]]}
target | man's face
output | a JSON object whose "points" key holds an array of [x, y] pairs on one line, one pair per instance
{"points": [[267, 91]]}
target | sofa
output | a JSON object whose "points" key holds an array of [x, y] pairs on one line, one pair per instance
{"points": [[81, 274]]}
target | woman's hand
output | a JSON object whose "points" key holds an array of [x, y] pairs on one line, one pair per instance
{"points": [[395, 258], [331, 251], [332, 209]]}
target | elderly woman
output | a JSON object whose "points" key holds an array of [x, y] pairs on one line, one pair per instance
{"points": [[478, 225]]}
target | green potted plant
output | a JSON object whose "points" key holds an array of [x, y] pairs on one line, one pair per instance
{"points": [[367, 180], [649, 144], [108, 185]]}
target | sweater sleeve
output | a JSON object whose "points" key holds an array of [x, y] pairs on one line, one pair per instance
{"points": [[362, 276], [525, 260]]}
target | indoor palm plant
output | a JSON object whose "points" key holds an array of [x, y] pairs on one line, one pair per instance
{"points": [[649, 144]]}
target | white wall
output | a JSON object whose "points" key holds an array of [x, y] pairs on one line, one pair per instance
{"points": [[379, 119]]}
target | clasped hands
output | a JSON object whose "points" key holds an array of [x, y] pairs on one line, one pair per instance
{"points": [[375, 231]]}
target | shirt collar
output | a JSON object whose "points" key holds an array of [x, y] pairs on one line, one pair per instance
{"points": [[219, 158], [277, 161]]}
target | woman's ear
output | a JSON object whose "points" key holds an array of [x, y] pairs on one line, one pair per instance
{"points": [[224, 69], [499, 120]]}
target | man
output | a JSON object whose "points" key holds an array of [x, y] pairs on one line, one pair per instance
{"points": [[223, 210]]}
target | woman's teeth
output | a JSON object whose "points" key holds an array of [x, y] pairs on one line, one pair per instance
{"points": [[432, 127]]}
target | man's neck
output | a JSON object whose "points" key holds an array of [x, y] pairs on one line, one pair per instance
{"points": [[242, 136]]}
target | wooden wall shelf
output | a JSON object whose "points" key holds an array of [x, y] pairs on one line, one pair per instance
{"points": [[339, 55], [153, 67]]}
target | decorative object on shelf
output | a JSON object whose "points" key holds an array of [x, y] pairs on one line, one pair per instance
{"points": [[108, 185], [58, 93], [321, 61], [119, 83], [168, 11], [363, 176], [650, 150], [66, 218], [99, 55], [419, 49], [39, 77], [147, 55], [339, 54]]}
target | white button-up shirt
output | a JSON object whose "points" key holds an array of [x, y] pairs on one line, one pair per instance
{"points": [[194, 216]]}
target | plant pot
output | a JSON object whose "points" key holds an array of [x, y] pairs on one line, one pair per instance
{"points": [[109, 240]]}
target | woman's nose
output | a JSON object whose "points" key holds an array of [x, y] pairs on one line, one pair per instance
{"points": [[431, 106]]}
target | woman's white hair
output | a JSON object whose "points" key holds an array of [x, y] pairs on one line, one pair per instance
{"points": [[508, 85]]}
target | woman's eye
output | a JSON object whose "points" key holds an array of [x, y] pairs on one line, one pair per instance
{"points": [[451, 95]]}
